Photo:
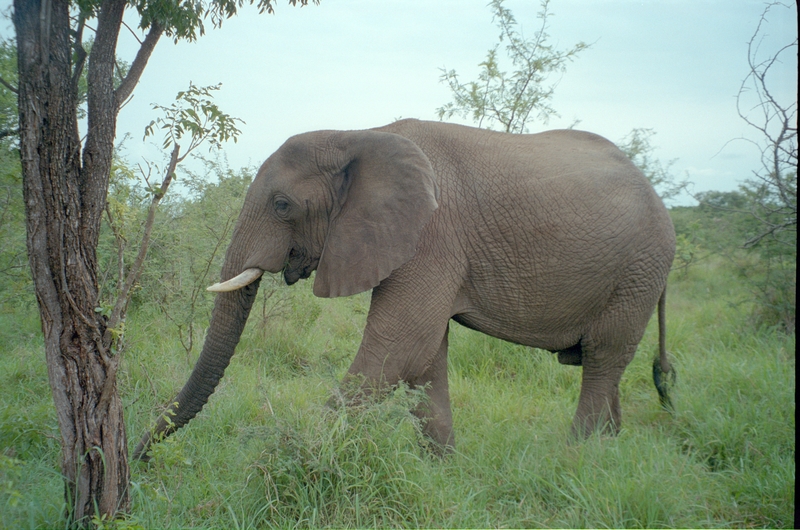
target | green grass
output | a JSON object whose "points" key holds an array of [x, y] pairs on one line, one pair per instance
{"points": [[266, 451]]}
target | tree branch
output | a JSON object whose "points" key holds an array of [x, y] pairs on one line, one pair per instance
{"points": [[132, 33], [753, 241], [125, 89], [80, 52], [136, 269], [124, 294], [8, 85]]}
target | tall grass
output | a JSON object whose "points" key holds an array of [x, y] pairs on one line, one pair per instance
{"points": [[266, 451]]}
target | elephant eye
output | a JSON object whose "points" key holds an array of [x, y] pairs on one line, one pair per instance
{"points": [[281, 206]]}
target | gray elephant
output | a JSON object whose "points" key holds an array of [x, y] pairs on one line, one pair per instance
{"points": [[552, 240]]}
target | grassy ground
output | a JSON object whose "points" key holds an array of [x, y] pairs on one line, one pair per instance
{"points": [[266, 452]]}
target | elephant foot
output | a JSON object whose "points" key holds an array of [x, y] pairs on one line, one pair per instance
{"points": [[437, 433], [434, 449], [572, 356], [601, 423]]}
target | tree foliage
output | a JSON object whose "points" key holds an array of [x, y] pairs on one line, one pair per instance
{"points": [[637, 145], [194, 115], [14, 275], [9, 119], [509, 101]]}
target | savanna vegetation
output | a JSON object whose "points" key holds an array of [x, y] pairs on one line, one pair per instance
{"points": [[266, 450]]}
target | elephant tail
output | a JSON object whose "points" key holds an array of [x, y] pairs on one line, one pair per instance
{"points": [[664, 375]]}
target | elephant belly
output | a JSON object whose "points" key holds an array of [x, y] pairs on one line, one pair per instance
{"points": [[536, 335], [540, 315], [542, 292]]}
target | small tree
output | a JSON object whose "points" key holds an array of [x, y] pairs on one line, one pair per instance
{"points": [[65, 179], [193, 114], [773, 188], [200, 228], [770, 194], [510, 101]]}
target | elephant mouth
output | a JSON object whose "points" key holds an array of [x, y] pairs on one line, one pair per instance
{"points": [[292, 276], [299, 266]]}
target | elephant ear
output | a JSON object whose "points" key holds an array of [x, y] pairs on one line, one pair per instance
{"points": [[387, 194]]}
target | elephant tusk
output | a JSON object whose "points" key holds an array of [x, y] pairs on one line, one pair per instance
{"points": [[242, 280]]}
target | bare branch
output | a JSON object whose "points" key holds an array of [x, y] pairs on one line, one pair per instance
{"points": [[125, 89], [753, 241], [8, 85], [133, 275], [135, 36], [79, 50], [773, 190]]}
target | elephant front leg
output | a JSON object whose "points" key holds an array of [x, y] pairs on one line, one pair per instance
{"points": [[406, 340], [435, 413]]}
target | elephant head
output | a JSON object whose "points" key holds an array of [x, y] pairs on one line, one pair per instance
{"points": [[350, 205]]}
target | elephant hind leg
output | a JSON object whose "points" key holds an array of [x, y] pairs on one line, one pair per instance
{"points": [[598, 406], [611, 341], [435, 413]]}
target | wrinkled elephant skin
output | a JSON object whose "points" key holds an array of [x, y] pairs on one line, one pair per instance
{"points": [[552, 240]]}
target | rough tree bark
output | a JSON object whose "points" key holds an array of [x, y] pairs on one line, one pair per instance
{"points": [[65, 196]]}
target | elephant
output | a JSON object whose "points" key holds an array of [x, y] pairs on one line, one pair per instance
{"points": [[553, 240]]}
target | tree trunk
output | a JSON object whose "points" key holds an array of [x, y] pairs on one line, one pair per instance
{"points": [[64, 201]]}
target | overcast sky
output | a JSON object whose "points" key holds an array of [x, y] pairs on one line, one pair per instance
{"points": [[671, 65]]}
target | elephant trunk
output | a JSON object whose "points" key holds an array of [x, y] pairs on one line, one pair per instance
{"points": [[228, 319]]}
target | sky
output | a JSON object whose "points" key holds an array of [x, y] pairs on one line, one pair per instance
{"points": [[673, 66]]}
